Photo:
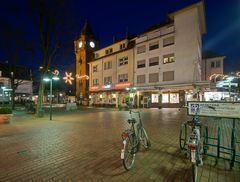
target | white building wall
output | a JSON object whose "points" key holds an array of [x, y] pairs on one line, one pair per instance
{"points": [[186, 49]]}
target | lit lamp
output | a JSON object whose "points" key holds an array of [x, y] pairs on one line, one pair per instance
{"points": [[49, 79]]}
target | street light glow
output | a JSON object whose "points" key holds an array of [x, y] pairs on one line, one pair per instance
{"points": [[55, 78], [46, 79]]}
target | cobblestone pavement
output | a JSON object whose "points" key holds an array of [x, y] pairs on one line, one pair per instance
{"points": [[85, 146]]}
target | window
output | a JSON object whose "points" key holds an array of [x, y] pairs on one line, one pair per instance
{"points": [[168, 76], [96, 55], [154, 61], [154, 98], [108, 51], [212, 64], [123, 61], [141, 49], [169, 58], [165, 98], [140, 78], [122, 46], [107, 80], [108, 65], [94, 68], [141, 64], [123, 78], [95, 82], [174, 98], [153, 45], [168, 41], [218, 64], [153, 77]]}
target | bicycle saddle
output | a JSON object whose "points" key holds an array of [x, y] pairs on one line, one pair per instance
{"points": [[133, 120]]}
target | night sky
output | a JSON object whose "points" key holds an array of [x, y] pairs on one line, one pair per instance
{"points": [[19, 33]]}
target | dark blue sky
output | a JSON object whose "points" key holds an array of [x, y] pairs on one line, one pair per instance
{"points": [[109, 18]]}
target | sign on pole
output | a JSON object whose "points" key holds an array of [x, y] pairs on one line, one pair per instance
{"points": [[215, 109]]}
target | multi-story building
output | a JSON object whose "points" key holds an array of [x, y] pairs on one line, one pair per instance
{"points": [[167, 69], [111, 72], [212, 66]]}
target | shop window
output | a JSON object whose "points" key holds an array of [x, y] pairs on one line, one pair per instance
{"points": [[174, 98], [165, 98], [154, 98]]}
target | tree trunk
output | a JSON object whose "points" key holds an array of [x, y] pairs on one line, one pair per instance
{"points": [[13, 98], [39, 110]]}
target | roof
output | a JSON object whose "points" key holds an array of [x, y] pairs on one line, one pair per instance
{"points": [[130, 45], [158, 25], [20, 72], [210, 54], [201, 11], [130, 37]]}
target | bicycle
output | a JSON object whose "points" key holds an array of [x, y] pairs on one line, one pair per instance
{"points": [[194, 143], [131, 140]]}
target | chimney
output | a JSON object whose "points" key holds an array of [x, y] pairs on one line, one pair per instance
{"points": [[114, 39]]}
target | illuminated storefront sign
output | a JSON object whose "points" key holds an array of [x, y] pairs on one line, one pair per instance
{"points": [[127, 84]]}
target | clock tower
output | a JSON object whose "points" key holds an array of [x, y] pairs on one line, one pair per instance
{"points": [[84, 47]]}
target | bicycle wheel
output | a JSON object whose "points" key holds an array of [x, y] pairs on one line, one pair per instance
{"points": [[183, 136], [129, 155], [194, 172], [145, 140]]}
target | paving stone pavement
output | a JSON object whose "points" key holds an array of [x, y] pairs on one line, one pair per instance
{"points": [[85, 146]]}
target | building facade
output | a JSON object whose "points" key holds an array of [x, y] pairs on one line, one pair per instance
{"points": [[111, 73], [84, 46], [168, 59], [22, 75], [211, 66], [159, 68]]}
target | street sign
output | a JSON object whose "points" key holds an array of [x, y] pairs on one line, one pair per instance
{"points": [[220, 109]]}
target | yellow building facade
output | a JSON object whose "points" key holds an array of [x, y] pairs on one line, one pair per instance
{"points": [[111, 74]]}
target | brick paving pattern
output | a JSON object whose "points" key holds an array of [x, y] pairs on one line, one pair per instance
{"points": [[85, 146]]}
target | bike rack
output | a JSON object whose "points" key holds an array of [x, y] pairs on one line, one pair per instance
{"points": [[231, 151]]}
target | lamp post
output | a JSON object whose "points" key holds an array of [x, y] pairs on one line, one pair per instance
{"points": [[47, 79]]}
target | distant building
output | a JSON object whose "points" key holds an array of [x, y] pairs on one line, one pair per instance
{"points": [[111, 72], [24, 90], [212, 64]]}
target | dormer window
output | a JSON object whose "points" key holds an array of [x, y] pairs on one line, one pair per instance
{"points": [[108, 51], [96, 55], [122, 46]]}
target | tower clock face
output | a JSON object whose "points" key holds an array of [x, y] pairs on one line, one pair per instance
{"points": [[92, 44], [80, 44]]}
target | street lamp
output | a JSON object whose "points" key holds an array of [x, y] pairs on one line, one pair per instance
{"points": [[49, 79]]}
